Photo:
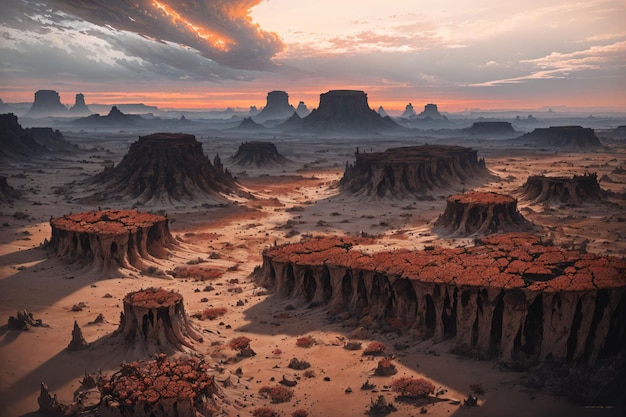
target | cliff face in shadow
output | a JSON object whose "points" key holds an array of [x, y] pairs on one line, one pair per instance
{"points": [[565, 138], [414, 170], [563, 190], [510, 296], [258, 154]]}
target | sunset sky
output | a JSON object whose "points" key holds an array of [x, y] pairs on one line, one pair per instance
{"points": [[459, 54]]}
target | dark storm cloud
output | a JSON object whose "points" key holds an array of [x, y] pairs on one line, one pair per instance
{"points": [[232, 39]]}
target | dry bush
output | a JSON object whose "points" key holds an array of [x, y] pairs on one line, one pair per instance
{"points": [[213, 312], [277, 394], [305, 341], [240, 343], [375, 349], [298, 365], [309, 373], [197, 273], [412, 387], [300, 413], [265, 412], [385, 368]]}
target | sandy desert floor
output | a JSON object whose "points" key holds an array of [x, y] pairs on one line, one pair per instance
{"points": [[290, 202]]}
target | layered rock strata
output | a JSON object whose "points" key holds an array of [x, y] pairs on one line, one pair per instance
{"points": [[167, 168], [563, 190], [154, 321], [258, 154], [566, 138], [511, 296], [111, 239], [413, 170], [481, 213]]}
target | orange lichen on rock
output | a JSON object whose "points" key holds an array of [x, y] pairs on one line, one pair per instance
{"points": [[487, 296], [153, 298]]}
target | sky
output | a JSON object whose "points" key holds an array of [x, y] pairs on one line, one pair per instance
{"points": [[212, 54]]}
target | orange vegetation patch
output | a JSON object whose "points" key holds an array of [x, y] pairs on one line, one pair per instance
{"points": [[152, 298], [198, 273], [108, 222], [481, 198], [513, 260]]}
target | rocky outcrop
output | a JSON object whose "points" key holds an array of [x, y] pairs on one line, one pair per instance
{"points": [[414, 170], [24, 320], [248, 125], [564, 138], [481, 213], [166, 168], [491, 129], [409, 111], [302, 110], [382, 111], [50, 139], [511, 296], [563, 190], [115, 118], [154, 321], [78, 341], [8, 193], [47, 103], [431, 111], [15, 142], [258, 154], [111, 239], [276, 107], [345, 111], [79, 108]]}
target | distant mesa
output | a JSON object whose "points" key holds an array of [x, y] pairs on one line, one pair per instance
{"points": [[17, 143], [277, 107], [576, 190], [47, 103], [431, 112], [115, 118], [382, 111], [111, 239], [481, 213], [258, 154], [253, 111], [248, 125], [166, 168], [413, 171], [491, 129], [302, 110], [345, 111], [79, 108], [566, 138], [409, 111]]}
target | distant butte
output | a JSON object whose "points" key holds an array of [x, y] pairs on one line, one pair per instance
{"points": [[47, 103], [277, 107], [576, 190], [413, 170], [492, 129], [258, 154], [566, 138]]}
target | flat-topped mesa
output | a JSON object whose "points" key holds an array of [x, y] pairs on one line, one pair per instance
{"points": [[413, 170], [276, 107], [511, 296], [492, 129], [154, 321], [166, 168], [258, 154], [481, 213], [47, 103], [111, 239], [574, 190], [346, 111], [566, 138]]}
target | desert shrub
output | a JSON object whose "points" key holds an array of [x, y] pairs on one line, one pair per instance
{"points": [[277, 351], [352, 345], [213, 312], [240, 343], [298, 365], [277, 394], [375, 349], [264, 412], [310, 373], [300, 413], [305, 341], [385, 368], [412, 387]]}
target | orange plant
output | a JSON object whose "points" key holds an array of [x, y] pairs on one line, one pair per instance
{"points": [[412, 387]]}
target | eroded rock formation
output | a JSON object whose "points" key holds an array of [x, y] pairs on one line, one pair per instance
{"points": [[8, 193], [492, 129], [47, 103], [166, 168], [302, 110], [15, 142], [565, 138], [78, 341], [258, 154], [115, 118], [154, 321], [24, 320], [563, 190], [111, 239], [409, 111], [276, 107], [510, 296], [413, 170], [247, 125], [80, 108], [345, 111], [481, 213], [431, 111]]}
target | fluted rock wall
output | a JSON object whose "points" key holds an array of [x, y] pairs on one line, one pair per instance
{"points": [[413, 170], [166, 167], [258, 154], [480, 213], [510, 296], [111, 239], [563, 190]]}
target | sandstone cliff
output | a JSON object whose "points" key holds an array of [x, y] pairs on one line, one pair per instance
{"points": [[510, 296], [563, 190]]}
